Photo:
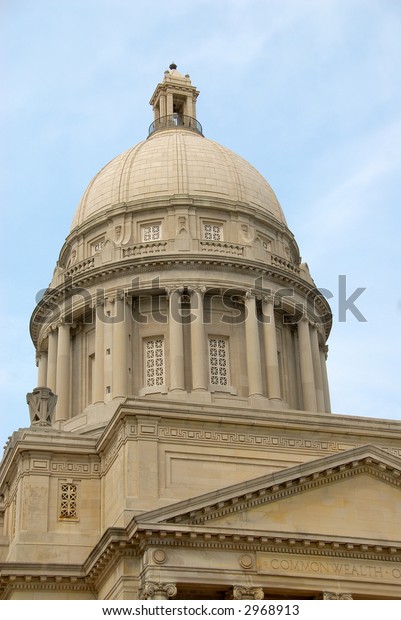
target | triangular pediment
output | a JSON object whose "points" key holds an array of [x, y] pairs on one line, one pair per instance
{"points": [[351, 494]]}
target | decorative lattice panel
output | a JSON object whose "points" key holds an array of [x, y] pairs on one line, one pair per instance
{"points": [[154, 362], [218, 362]]}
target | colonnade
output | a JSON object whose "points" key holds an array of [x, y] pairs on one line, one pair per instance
{"points": [[166, 106], [163, 591], [54, 366]]}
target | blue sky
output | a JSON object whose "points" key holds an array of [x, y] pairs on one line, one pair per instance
{"points": [[309, 91]]}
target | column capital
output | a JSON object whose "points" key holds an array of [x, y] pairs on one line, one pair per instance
{"points": [[157, 590], [244, 593], [170, 290], [267, 298], [331, 596], [325, 349], [249, 293], [118, 295], [201, 289]]}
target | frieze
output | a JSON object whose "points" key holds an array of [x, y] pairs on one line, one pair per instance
{"points": [[271, 545], [82, 469], [262, 441], [339, 569]]}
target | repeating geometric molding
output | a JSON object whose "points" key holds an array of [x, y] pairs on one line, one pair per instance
{"points": [[271, 544], [269, 441], [68, 500], [76, 468]]}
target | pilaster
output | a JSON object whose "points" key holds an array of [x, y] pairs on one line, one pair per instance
{"points": [[270, 342], [307, 374], [176, 341], [252, 346], [198, 341]]}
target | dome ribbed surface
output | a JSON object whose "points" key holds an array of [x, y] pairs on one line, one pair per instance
{"points": [[173, 163]]}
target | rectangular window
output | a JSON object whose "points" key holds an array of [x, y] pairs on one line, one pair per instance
{"points": [[154, 362], [218, 362], [68, 501], [213, 232], [97, 245], [151, 232]]}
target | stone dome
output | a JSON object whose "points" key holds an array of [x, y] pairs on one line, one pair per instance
{"points": [[177, 162]]}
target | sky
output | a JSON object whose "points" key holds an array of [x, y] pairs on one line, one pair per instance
{"points": [[308, 91]]}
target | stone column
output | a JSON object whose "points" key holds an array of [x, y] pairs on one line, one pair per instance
{"points": [[271, 357], [198, 342], [326, 390], [42, 369], [189, 106], [98, 378], [169, 102], [176, 342], [252, 345], [317, 367], [243, 593], [52, 359], [156, 591], [307, 376], [63, 373], [162, 106], [120, 370]]}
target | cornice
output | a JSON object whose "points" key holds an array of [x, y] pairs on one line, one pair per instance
{"points": [[331, 429], [280, 484], [46, 445], [146, 264], [271, 542], [278, 491]]}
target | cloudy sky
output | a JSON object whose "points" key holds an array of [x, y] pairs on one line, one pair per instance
{"points": [[309, 91]]}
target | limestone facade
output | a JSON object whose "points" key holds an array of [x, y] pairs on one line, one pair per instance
{"points": [[181, 442]]}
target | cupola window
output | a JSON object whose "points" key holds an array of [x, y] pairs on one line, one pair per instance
{"points": [[212, 232], [218, 362], [97, 245], [154, 362], [152, 232]]}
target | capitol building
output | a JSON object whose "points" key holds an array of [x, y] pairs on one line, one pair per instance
{"points": [[180, 442]]}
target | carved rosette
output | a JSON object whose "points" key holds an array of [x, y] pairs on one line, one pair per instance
{"points": [[242, 593], [156, 591]]}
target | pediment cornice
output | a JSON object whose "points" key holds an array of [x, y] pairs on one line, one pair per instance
{"points": [[368, 460]]}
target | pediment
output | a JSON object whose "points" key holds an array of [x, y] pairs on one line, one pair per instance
{"points": [[351, 494]]}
